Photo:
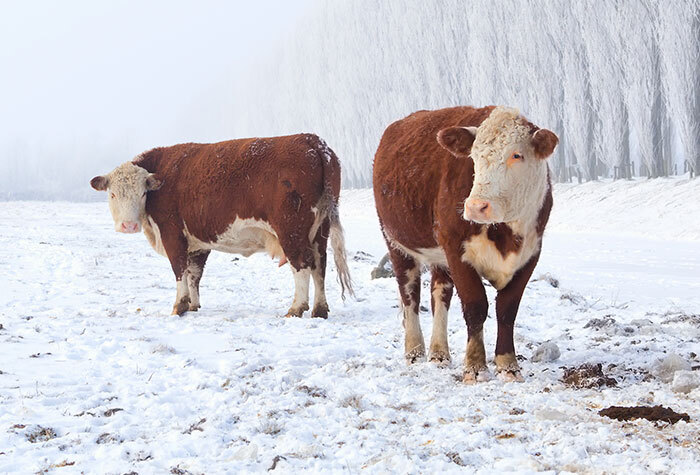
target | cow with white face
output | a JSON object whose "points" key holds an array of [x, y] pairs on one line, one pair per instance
{"points": [[467, 193], [277, 195], [127, 186]]}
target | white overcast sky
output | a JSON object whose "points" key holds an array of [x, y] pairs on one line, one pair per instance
{"points": [[148, 72]]}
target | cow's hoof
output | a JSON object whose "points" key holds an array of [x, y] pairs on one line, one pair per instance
{"points": [[440, 357], [416, 355], [194, 308], [510, 376], [476, 374], [182, 306], [507, 368], [320, 311], [297, 311]]}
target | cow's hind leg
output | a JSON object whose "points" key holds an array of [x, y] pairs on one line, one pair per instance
{"points": [[507, 303], [408, 277], [440, 297], [195, 268], [318, 274]]}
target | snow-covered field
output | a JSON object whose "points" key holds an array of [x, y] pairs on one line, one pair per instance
{"points": [[97, 377]]}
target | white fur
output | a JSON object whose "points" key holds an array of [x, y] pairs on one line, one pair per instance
{"points": [[427, 256], [126, 191], [481, 253], [438, 340], [152, 232], [414, 344], [515, 193], [319, 281], [301, 291], [244, 236]]}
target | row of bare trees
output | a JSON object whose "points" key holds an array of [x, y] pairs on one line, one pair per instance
{"points": [[618, 80]]}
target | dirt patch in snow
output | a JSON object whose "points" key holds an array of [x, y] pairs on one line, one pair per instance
{"points": [[651, 413], [588, 375]]}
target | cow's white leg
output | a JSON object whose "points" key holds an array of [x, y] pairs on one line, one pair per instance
{"points": [[408, 277], [182, 298], [441, 294], [318, 274], [195, 268], [320, 304], [194, 294], [301, 292]]}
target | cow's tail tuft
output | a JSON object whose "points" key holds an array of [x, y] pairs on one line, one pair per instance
{"points": [[328, 206]]}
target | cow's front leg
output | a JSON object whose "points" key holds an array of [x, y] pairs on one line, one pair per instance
{"points": [[175, 246], [440, 296], [475, 308], [507, 303], [301, 292], [407, 272], [195, 268]]}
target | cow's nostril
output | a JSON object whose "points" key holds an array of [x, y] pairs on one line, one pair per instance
{"points": [[484, 207]]}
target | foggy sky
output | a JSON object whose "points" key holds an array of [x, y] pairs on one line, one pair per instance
{"points": [[87, 85]]}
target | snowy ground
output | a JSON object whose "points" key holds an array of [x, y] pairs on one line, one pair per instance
{"points": [[90, 354]]}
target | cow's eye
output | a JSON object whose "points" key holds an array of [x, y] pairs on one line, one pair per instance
{"points": [[517, 156]]}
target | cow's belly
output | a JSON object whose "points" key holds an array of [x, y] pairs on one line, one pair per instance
{"points": [[427, 256], [481, 253], [243, 236]]}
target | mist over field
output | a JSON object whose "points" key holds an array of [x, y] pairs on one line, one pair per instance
{"points": [[88, 85]]}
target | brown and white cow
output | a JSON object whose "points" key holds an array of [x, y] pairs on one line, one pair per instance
{"points": [[278, 195], [467, 193]]}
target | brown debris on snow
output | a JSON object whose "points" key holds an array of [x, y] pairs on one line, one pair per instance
{"points": [[651, 413], [588, 375]]}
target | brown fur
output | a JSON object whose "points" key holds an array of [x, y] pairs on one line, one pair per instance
{"points": [[420, 189], [544, 143], [206, 187]]}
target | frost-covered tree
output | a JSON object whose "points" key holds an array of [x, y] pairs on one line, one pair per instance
{"points": [[678, 31], [608, 77], [604, 50], [643, 89]]}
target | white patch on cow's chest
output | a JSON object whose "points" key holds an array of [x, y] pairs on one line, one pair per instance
{"points": [[481, 253], [152, 232], [244, 236]]}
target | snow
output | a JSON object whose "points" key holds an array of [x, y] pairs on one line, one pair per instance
{"points": [[685, 381], [102, 379], [665, 369], [546, 353]]}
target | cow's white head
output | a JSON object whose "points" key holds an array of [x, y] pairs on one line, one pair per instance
{"points": [[510, 168], [127, 186]]}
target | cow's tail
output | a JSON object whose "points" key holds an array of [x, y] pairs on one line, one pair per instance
{"points": [[328, 207]]}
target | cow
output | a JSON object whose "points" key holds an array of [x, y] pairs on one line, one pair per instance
{"points": [[465, 192], [277, 195]]}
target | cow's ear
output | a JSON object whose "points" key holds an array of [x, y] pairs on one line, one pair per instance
{"points": [[544, 142], [100, 182], [457, 140], [153, 182]]}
